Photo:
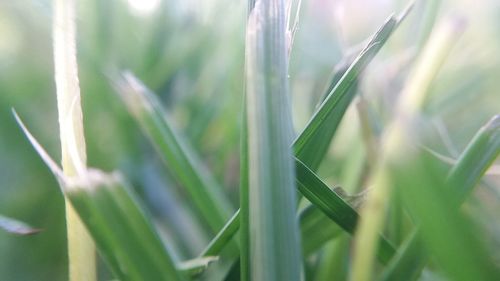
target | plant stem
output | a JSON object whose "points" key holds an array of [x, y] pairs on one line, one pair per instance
{"points": [[81, 251]]}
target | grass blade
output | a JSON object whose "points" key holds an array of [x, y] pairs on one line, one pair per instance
{"points": [[114, 218], [244, 195], [479, 154], [274, 239], [244, 262], [188, 169], [313, 142], [477, 157], [311, 145], [334, 206], [16, 227], [397, 140], [443, 228], [318, 227], [223, 236], [327, 206], [121, 230]]}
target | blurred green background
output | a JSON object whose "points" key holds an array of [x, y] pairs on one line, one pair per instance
{"points": [[191, 52]]}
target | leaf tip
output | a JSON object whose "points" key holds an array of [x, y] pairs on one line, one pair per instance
{"points": [[406, 11], [56, 170]]}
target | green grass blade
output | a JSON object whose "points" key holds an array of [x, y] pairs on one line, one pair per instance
{"points": [[311, 219], [311, 145], [244, 221], [244, 262], [338, 72], [118, 225], [274, 236], [327, 206], [313, 142], [334, 206], [443, 228], [223, 237], [398, 140], [122, 232], [479, 154], [318, 228], [477, 157], [207, 195]]}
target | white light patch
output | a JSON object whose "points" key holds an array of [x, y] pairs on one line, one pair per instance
{"points": [[144, 7]]}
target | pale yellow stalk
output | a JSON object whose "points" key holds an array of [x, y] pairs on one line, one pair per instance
{"points": [[81, 250], [396, 144]]}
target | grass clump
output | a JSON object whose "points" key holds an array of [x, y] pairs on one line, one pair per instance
{"points": [[396, 216]]}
